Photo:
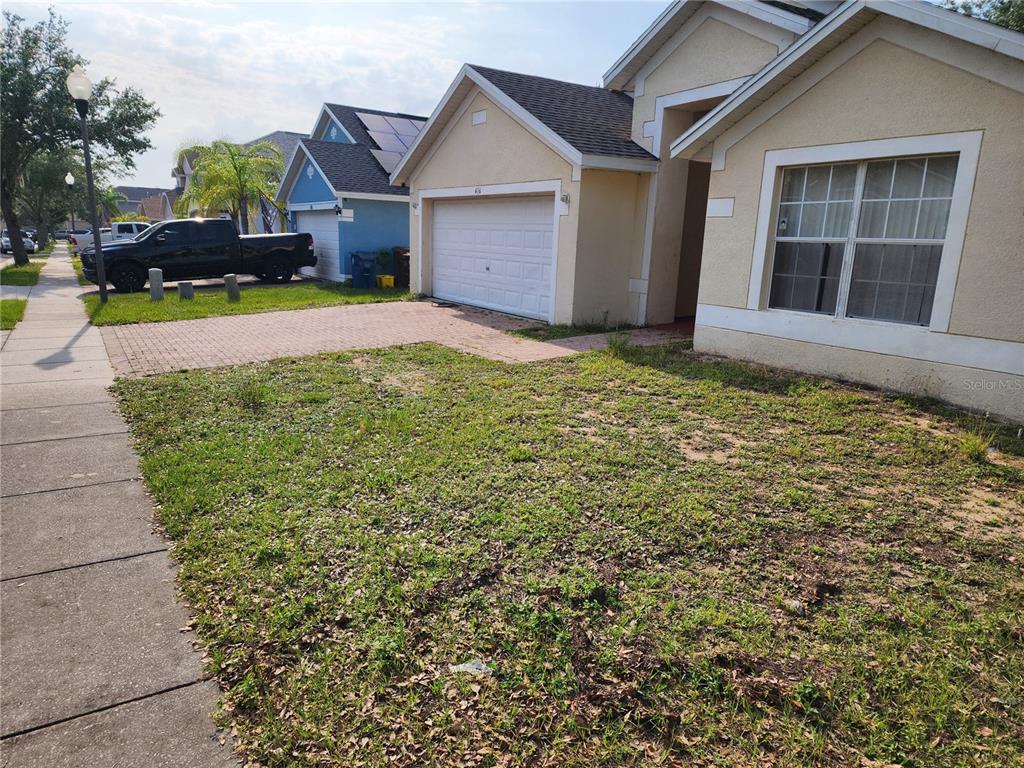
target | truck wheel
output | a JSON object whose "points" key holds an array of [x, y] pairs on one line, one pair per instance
{"points": [[128, 278], [278, 272]]}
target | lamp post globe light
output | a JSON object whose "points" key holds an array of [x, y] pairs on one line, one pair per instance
{"points": [[80, 89], [70, 181]]}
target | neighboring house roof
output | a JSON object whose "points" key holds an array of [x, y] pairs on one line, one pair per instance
{"points": [[829, 33], [592, 119], [350, 168], [285, 141], [794, 17], [135, 195], [155, 207], [587, 125], [346, 115]]}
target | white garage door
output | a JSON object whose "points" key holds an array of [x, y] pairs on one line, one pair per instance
{"points": [[323, 226], [496, 253]]}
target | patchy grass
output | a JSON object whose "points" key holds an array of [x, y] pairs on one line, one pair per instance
{"points": [[76, 262], [555, 332], [661, 559], [11, 311], [27, 274], [212, 301]]}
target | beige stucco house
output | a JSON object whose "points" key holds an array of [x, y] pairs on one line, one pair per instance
{"points": [[832, 187]]}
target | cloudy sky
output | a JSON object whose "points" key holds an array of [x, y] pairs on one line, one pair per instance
{"points": [[240, 70]]}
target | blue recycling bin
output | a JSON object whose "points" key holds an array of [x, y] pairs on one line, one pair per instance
{"points": [[364, 269]]}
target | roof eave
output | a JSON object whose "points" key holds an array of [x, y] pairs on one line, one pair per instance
{"points": [[981, 33], [623, 70], [618, 163]]}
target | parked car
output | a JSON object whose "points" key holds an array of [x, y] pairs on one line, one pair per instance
{"points": [[82, 238], [5, 243], [61, 234], [32, 233], [126, 230], [187, 249]]}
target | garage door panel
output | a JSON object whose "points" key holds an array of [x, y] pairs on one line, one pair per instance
{"points": [[495, 253], [323, 226]]}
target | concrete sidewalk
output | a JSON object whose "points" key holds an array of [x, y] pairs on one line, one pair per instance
{"points": [[96, 668]]}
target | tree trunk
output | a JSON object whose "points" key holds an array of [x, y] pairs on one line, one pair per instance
{"points": [[243, 214], [11, 220]]}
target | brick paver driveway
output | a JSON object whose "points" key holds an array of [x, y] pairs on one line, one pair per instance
{"points": [[149, 348]]}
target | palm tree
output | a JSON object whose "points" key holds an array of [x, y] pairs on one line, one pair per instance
{"points": [[107, 199], [231, 177]]}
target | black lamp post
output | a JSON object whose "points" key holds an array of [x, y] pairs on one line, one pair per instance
{"points": [[80, 89], [70, 181]]}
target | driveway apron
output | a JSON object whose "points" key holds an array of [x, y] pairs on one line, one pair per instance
{"points": [[97, 669]]}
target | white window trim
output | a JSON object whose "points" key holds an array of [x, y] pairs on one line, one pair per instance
{"points": [[966, 144], [561, 208]]}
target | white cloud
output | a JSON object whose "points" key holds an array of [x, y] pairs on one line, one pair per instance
{"points": [[239, 71]]}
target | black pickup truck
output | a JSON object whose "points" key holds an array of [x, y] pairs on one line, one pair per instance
{"points": [[187, 249]]}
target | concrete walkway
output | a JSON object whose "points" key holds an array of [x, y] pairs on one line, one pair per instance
{"points": [[96, 669]]}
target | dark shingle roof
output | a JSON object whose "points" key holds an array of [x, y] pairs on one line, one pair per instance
{"points": [[594, 120], [351, 167], [286, 141], [136, 194], [347, 116]]}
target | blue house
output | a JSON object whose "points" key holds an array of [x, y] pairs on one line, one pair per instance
{"points": [[336, 185]]}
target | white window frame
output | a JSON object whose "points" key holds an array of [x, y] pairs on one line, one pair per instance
{"points": [[967, 145]]}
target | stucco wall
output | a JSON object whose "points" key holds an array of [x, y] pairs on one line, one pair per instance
{"points": [[610, 239], [712, 53], [1000, 394], [863, 100], [887, 90], [499, 151]]}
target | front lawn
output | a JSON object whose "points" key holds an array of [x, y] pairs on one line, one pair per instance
{"points": [[661, 559], [11, 311], [28, 274], [212, 301]]}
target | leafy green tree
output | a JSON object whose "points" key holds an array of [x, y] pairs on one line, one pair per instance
{"points": [[44, 197], [231, 177], [1005, 13], [37, 114], [130, 216]]}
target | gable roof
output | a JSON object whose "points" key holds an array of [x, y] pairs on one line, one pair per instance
{"points": [[830, 32], [346, 115], [793, 17], [593, 120], [586, 125], [350, 168], [153, 207], [286, 141]]}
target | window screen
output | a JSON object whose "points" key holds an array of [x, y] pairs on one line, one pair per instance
{"points": [[877, 227]]}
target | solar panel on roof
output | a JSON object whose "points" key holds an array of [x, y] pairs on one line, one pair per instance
{"points": [[387, 160], [375, 122], [402, 126], [389, 142]]}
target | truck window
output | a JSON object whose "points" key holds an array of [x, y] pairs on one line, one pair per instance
{"points": [[177, 232], [216, 231]]}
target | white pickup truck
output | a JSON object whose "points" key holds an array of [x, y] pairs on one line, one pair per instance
{"points": [[118, 230]]}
